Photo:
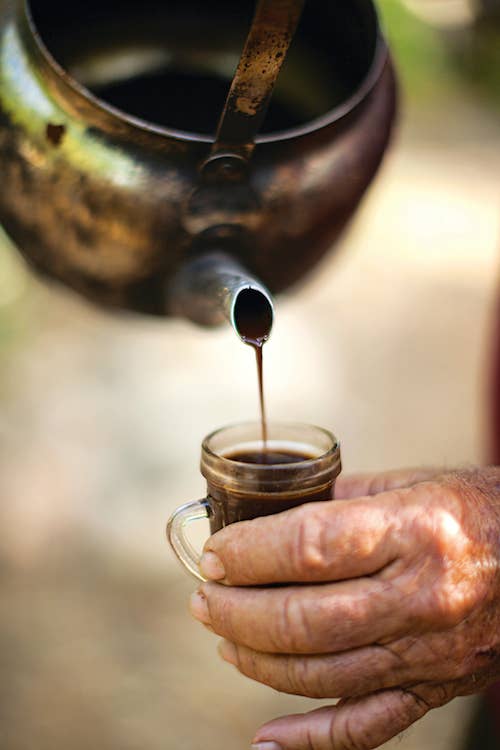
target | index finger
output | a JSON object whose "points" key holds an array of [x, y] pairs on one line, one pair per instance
{"points": [[317, 542], [359, 485]]}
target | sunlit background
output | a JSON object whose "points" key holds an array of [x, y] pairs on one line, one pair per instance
{"points": [[101, 420]]}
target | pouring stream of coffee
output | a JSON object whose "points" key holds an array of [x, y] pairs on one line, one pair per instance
{"points": [[253, 317]]}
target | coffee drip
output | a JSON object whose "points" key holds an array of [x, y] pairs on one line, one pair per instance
{"points": [[253, 317]]}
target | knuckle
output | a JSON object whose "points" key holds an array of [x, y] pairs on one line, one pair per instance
{"points": [[302, 679], [413, 705], [449, 602], [246, 662], [292, 629], [225, 617], [344, 733], [422, 699], [442, 694], [449, 654], [397, 658], [440, 524], [442, 605], [311, 551], [446, 595], [433, 656]]}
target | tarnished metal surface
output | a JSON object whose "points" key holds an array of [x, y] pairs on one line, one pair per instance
{"points": [[265, 51], [110, 205]]}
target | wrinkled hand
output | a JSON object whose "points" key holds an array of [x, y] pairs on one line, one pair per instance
{"points": [[391, 603]]}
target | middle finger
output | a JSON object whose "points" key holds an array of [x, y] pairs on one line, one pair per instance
{"points": [[306, 619]]}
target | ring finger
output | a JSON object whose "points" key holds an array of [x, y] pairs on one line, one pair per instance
{"points": [[352, 673]]}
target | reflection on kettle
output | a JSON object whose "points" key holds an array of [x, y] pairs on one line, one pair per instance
{"points": [[119, 172]]}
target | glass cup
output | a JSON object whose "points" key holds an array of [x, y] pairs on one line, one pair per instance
{"points": [[240, 491]]}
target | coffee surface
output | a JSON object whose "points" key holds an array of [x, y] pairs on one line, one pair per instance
{"points": [[268, 457]]}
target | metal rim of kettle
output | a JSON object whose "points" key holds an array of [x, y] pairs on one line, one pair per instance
{"points": [[332, 116]]}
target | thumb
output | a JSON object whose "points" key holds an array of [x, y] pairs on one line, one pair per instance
{"points": [[354, 724], [361, 485]]}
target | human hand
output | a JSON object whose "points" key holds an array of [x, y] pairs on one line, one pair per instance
{"points": [[390, 602]]}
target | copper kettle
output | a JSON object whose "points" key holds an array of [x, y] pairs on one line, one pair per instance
{"points": [[120, 177]]}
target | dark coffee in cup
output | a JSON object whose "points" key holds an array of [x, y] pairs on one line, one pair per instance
{"points": [[258, 494], [269, 457]]}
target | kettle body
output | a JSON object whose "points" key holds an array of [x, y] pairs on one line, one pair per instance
{"points": [[108, 109]]}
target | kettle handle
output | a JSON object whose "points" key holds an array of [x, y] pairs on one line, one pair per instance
{"points": [[272, 31]]}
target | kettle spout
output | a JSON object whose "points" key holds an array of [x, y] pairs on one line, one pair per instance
{"points": [[214, 287]]}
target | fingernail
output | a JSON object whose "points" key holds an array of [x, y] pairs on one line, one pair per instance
{"points": [[211, 567], [228, 652], [267, 746], [199, 608]]}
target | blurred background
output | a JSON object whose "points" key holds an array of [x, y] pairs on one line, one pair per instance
{"points": [[101, 420]]}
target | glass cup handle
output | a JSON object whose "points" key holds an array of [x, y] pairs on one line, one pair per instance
{"points": [[180, 518]]}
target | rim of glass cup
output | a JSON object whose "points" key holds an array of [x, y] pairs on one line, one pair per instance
{"points": [[230, 462]]}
